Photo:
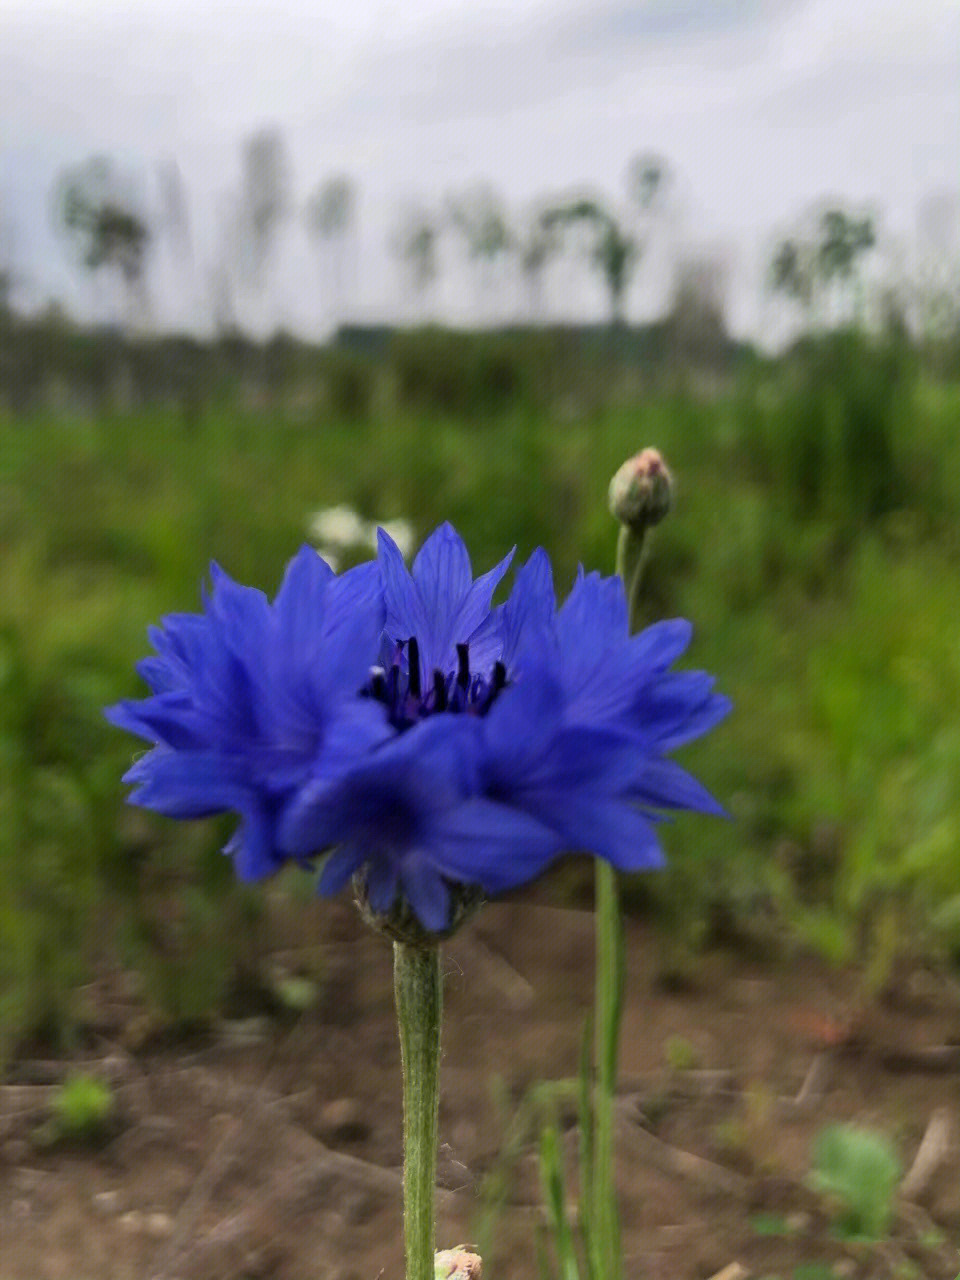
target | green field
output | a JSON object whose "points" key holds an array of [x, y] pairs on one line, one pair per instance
{"points": [[814, 542]]}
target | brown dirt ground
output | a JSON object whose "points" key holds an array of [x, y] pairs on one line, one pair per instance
{"points": [[272, 1150]]}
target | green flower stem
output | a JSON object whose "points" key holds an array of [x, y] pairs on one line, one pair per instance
{"points": [[609, 988], [630, 545], [609, 1007], [419, 995]]}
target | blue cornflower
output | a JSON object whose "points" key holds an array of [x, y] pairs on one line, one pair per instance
{"points": [[431, 746], [520, 733], [252, 699]]}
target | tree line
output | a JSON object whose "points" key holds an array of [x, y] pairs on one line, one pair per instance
{"points": [[113, 230]]}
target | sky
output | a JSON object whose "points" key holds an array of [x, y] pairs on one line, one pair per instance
{"points": [[764, 108]]}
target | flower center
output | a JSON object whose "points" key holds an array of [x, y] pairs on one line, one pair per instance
{"points": [[399, 686]]}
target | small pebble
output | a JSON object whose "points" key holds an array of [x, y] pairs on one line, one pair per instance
{"points": [[158, 1225], [358, 1207], [342, 1121], [464, 1134], [238, 1033], [27, 1178], [105, 1201]]}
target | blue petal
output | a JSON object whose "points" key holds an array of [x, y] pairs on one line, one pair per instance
{"points": [[405, 614], [424, 889], [527, 619], [442, 572], [338, 868], [493, 845], [187, 784], [662, 709], [662, 784], [168, 719], [385, 800], [252, 846], [596, 608], [609, 828], [299, 604], [381, 876], [439, 603], [473, 624], [716, 708], [521, 725], [662, 643]]}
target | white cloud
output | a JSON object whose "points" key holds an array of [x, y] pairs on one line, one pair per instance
{"points": [[763, 105]]}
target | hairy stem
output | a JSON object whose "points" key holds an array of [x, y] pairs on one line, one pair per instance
{"points": [[419, 996]]}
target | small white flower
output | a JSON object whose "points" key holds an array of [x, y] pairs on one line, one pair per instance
{"points": [[402, 532], [338, 527], [332, 557]]}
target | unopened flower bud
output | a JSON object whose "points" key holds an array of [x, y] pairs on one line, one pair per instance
{"points": [[400, 923], [461, 1263], [641, 490]]}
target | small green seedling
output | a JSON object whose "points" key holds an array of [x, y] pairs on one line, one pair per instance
{"points": [[770, 1224], [81, 1111], [860, 1170], [814, 1271], [680, 1054]]}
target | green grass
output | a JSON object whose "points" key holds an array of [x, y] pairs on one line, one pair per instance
{"points": [[858, 1169], [830, 623]]}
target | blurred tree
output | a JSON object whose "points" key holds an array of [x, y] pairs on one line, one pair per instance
{"points": [[479, 216], [7, 254], [934, 280], [648, 176], [330, 216], [537, 243], [697, 323], [843, 240], [815, 268], [174, 219], [653, 212], [793, 272], [415, 243], [613, 251], [264, 199], [98, 208]]}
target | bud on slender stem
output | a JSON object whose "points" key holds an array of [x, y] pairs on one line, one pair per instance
{"points": [[640, 496]]}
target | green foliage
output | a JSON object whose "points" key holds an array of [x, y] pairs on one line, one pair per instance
{"points": [[860, 1170], [770, 1224], [81, 1111], [680, 1054], [827, 435], [597, 1215], [553, 1182], [446, 372], [826, 608], [536, 1111]]}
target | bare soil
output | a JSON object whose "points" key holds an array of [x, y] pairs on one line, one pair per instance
{"points": [[267, 1148]]}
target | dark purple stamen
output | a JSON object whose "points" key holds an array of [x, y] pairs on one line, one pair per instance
{"points": [[463, 666], [439, 691], [413, 667], [401, 691]]}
